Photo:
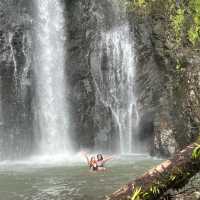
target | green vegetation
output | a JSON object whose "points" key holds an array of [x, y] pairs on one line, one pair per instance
{"points": [[183, 17], [196, 152], [138, 3], [177, 23], [136, 194], [194, 30], [176, 178]]}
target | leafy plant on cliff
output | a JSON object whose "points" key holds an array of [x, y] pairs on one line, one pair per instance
{"points": [[136, 194], [140, 3], [196, 152], [141, 6], [194, 30], [177, 23], [183, 17]]}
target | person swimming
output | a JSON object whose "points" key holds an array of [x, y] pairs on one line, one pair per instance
{"points": [[92, 163], [101, 161]]}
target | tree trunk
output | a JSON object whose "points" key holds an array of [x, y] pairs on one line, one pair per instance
{"points": [[171, 174]]}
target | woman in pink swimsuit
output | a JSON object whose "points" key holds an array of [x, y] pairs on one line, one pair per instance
{"points": [[101, 161]]}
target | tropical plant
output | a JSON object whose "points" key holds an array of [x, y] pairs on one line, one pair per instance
{"points": [[136, 194], [196, 152]]}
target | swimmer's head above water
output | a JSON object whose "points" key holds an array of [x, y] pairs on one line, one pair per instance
{"points": [[93, 164], [99, 157]]}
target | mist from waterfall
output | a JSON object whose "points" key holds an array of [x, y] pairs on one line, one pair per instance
{"points": [[115, 79], [51, 112]]}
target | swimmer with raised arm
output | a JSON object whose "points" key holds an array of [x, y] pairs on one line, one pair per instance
{"points": [[92, 163], [101, 161]]}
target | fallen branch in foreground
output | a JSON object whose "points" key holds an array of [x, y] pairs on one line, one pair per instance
{"points": [[171, 174]]}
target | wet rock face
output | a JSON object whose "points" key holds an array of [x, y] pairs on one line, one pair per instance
{"points": [[78, 72], [167, 98], [92, 123], [15, 81]]}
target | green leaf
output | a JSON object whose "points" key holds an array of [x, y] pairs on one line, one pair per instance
{"points": [[136, 194], [196, 152]]}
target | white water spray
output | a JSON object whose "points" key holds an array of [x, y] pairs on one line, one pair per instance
{"points": [[51, 113], [120, 53], [114, 76]]}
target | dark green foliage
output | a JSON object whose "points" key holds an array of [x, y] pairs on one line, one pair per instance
{"points": [[183, 17], [194, 30], [196, 152], [176, 179]]}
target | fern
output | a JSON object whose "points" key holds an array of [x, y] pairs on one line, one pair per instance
{"points": [[196, 152], [136, 194]]}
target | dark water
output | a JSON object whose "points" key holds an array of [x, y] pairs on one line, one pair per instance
{"points": [[69, 182]]}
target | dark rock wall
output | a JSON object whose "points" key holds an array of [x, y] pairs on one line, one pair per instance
{"points": [[82, 94], [168, 98], [84, 21], [15, 62]]}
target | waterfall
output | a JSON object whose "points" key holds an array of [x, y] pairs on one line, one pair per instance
{"points": [[51, 112], [1, 121], [114, 77]]}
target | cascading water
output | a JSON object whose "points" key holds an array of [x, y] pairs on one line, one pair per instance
{"points": [[114, 78], [44, 92], [1, 122], [51, 113]]}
